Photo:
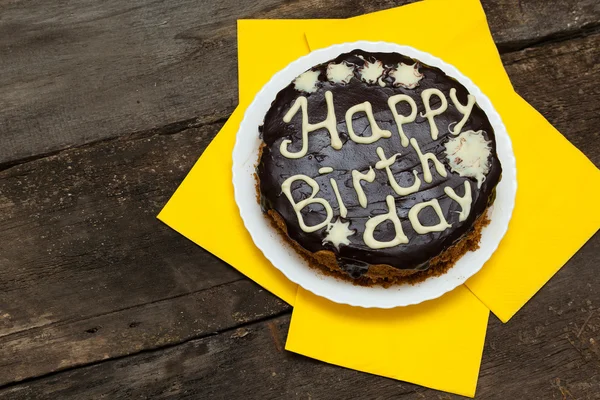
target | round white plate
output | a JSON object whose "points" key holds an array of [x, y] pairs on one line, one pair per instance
{"points": [[284, 258]]}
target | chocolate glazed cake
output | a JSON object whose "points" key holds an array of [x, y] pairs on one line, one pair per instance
{"points": [[378, 168]]}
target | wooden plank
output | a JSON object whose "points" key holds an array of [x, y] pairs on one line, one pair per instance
{"points": [[76, 72], [94, 247], [518, 24], [550, 350], [80, 235], [149, 326]]}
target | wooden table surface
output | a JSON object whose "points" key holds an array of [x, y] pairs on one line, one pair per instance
{"points": [[105, 106]]}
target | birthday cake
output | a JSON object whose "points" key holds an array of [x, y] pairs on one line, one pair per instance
{"points": [[377, 168]]}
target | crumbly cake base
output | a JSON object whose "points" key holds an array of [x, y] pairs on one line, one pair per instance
{"points": [[382, 274]]}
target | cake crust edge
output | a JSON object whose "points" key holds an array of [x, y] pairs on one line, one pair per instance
{"points": [[381, 274]]}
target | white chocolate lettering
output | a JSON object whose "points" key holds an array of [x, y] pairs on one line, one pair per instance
{"points": [[464, 202], [385, 163], [413, 216], [376, 132], [464, 109], [402, 119], [330, 123], [425, 162], [467, 153], [343, 209], [429, 113], [286, 188], [372, 223], [358, 176]]}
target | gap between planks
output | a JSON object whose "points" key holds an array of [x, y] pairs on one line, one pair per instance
{"points": [[169, 129], [74, 320], [150, 350]]}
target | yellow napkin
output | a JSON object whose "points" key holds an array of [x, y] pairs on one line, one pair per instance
{"points": [[437, 344], [556, 211], [556, 206], [266, 47]]}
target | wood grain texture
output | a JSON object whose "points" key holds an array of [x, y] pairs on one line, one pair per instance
{"points": [[80, 71], [149, 326], [95, 254], [549, 351], [562, 81], [529, 23], [80, 235]]}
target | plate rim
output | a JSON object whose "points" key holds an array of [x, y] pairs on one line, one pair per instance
{"points": [[318, 56]]}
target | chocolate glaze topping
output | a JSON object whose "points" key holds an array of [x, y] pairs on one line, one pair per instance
{"points": [[355, 258]]}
